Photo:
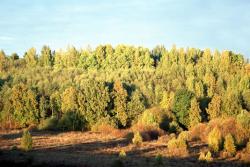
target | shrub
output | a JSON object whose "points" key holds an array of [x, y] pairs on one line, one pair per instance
{"points": [[198, 132], [202, 156], [229, 145], [148, 132], [122, 154], [215, 139], [158, 160], [104, 125], [137, 140], [174, 127], [26, 141], [48, 124], [184, 135], [14, 148], [229, 125], [177, 143], [72, 121], [209, 156], [177, 147], [155, 117], [205, 156]]}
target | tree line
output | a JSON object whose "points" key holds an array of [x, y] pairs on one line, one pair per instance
{"points": [[76, 88]]}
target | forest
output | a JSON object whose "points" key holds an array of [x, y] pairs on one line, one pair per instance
{"points": [[129, 87]]}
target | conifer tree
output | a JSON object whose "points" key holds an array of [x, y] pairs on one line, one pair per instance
{"points": [[194, 113], [214, 107], [229, 145]]}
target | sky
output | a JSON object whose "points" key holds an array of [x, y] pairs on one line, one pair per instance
{"points": [[215, 24]]}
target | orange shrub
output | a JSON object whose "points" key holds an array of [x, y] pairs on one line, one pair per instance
{"points": [[198, 132], [148, 132], [225, 125]]}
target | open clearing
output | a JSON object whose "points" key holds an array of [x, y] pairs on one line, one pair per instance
{"points": [[92, 149]]}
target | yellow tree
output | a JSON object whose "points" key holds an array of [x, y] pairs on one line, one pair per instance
{"points": [[214, 107], [31, 57], [120, 103], [3, 61], [46, 58], [69, 100], [194, 113]]}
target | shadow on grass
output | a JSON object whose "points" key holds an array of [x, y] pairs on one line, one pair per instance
{"points": [[33, 133], [100, 154]]}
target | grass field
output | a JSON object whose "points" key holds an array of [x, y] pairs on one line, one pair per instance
{"points": [[93, 149]]}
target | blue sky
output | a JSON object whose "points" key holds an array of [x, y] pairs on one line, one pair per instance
{"points": [[221, 24]]}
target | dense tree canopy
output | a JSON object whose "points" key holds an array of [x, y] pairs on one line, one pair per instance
{"points": [[119, 83]]}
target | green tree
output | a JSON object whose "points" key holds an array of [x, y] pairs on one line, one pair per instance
{"points": [[14, 56], [93, 100], [24, 105], [43, 107], [135, 106], [181, 105]]}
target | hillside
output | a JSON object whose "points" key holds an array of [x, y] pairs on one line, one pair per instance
{"points": [[177, 103]]}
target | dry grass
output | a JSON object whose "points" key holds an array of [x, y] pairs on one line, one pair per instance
{"points": [[95, 149]]}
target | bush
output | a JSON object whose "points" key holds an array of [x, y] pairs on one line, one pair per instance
{"points": [[209, 156], [215, 139], [198, 132], [48, 124], [72, 121], [104, 125], [137, 140], [184, 135], [14, 148], [155, 117], [174, 127], [229, 145], [158, 160], [202, 156], [26, 141], [122, 154], [232, 126], [148, 132], [177, 143], [177, 147], [205, 156]]}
